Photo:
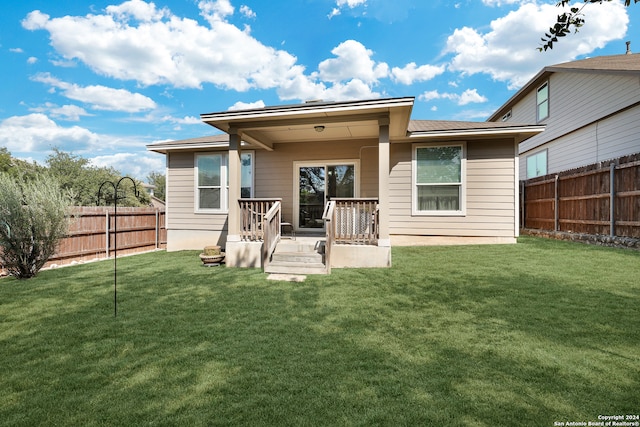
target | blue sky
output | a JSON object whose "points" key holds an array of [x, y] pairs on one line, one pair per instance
{"points": [[102, 79]]}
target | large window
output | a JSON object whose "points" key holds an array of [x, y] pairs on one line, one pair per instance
{"points": [[537, 164], [212, 181], [542, 101], [439, 175]]}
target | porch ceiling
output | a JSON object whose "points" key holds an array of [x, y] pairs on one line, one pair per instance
{"points": [[298, 123]]}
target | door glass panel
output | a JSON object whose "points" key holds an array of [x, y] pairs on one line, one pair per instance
{"points": [[340, 181], [312, 192]]}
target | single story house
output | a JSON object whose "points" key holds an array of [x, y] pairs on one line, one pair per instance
{"points": [[361, 176]]}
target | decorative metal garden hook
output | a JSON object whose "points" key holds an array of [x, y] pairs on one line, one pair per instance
{"points": [[116, 197]]}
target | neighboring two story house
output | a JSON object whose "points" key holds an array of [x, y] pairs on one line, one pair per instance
{"points": [[590, 109]]}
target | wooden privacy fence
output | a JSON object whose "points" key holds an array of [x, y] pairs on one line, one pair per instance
{"points": [[600, 199], [92, 233]]}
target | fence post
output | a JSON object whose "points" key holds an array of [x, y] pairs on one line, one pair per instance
{"points": [[157, 229], [612, 199], [523, 201], [106, 243], [556, 207]]}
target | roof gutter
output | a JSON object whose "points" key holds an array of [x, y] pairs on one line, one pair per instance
{"points": [[460, 133]]}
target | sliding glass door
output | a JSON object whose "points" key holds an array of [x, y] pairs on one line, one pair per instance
{"points": [[317, 183]]}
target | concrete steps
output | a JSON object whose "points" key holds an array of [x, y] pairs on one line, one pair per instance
{"points": [[305, 255]]}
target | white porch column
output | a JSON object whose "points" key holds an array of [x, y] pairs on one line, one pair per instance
{"points": [[235, 165], [383, 181]]}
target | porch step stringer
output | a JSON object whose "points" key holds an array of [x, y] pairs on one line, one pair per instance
{"points": [[301, 256]]}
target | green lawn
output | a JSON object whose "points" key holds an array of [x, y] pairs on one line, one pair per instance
{"points": [[509, 335]]}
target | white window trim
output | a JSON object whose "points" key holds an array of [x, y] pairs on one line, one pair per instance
{"points": [[253, 172], [463, 179], [536, 154], [538, 118], [224, 185]]}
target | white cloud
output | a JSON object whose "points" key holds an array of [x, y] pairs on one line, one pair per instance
{"points": [[66, 112], [173, 50], [469, 96], [507, 52], [186, 120], [136, 165], [247, 105], [498, 3], [215, 10], [412, 73], [352, 60], [33, 136], [138, 10], [100, 97], [247, 12], [306, 88], [137, 41], [32, 60], [37, 132], [16, 50], [350, 3]]}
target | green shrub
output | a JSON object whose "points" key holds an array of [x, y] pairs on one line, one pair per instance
{"points": [[33, 219]]}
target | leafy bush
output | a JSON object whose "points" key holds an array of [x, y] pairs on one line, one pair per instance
{"points": [[33, 219]]}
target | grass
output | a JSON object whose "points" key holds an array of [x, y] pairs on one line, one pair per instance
{"points": [[531, 334]]}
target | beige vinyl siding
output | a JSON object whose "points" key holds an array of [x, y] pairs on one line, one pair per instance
{"points": [[490, 196], [273, 178], [575, 100], [574, 135], [603, 140], [274, 173], [181, 197]]}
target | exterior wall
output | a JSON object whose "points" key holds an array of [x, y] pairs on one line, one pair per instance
{"points": [[273, 178], [274, 170], [187, 229], [491, 201], [346, 256], [576, 133], [183, 240]]}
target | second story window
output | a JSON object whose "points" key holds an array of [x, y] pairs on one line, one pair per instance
{"points": [[542, 101]]}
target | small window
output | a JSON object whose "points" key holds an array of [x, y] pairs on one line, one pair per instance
{"points": [[439, 173], [212, 180], [247, 175], [542, 101], [537, 164], [506, 116], [211, 168]]}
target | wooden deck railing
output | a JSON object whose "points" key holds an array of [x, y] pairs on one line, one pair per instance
{"points": [[261, 222], [355, 221], [271, 224], [253, 212], [328, 217]]}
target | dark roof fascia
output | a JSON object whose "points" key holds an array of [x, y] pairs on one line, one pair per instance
{"points": [[556, 69], [306, 107], [524, 90], [477, 132], [544, 74], [219, 142]]}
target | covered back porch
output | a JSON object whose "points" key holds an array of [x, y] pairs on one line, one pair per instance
{"points": [[353, 230]]}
